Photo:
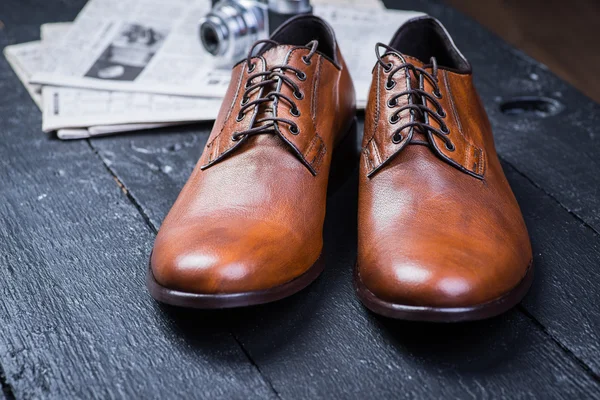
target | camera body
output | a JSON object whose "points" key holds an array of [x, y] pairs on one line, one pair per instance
{"points": [[232, 26]]}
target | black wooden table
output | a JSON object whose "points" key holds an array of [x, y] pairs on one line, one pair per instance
{"points": [[78, 219]]}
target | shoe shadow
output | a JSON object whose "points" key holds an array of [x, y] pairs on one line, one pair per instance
{"points": [[270, 328], [477, 348]]}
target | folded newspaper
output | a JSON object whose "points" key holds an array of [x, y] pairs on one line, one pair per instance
{"points": [[88, 81]]}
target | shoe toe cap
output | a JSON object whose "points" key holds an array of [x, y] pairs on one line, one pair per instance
{"points": [[224, 259], [431, 283]]}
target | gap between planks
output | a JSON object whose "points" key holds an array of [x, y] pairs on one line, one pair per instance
{"points": [[154, 229], [587, 369], [565, 349], [574, 214]]}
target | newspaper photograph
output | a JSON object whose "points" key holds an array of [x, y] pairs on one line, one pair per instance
{"points": [[147, 46]]}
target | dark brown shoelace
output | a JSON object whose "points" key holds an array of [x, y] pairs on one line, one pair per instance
{"points": [[417, 99], [272, 77]]}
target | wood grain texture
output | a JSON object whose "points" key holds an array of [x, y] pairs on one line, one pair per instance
{"points": [[566, 307], [565, 295], [327, 341], [75, 318]]}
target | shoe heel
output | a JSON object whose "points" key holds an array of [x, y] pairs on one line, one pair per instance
{"points": [[345, 159]]}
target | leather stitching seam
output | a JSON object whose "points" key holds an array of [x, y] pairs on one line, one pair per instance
{"points": [[377, 105], [367, 157], [237, 94], [318, 158], [470, 145], [376, 151], [316, 80], [310, 146]]}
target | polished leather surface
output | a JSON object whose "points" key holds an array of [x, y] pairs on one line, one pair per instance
{"points": [[436, 227], [251, 215]]}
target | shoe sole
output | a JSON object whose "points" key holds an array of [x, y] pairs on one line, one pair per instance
{"points": [[344, 162], [443, 314], [232, 300]]}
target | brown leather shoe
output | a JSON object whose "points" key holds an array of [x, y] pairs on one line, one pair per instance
{"points": [[440, 234], [247, 227]]}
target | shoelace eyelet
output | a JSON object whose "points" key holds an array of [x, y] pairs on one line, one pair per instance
{"points": [[299, 95], [437, 94], [392, 103], [450, 146], [301, 76], [240, 117], [394, 119], [445, 129], [244, 101], [306, 60], [251, 67], [388, 67], [235, 137], [390, 84], [397, 138], [441, 113], [294, 130], [295, 112]]}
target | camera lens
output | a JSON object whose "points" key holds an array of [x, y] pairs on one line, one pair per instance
{"points": [[210, 38], [231, 27]]}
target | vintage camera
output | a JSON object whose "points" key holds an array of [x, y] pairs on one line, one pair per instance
{"points": [[232, 26]]}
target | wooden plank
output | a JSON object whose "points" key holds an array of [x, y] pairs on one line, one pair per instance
{"points": [[565, 294], [164, 160], [511, 354], [154, 165], [76, 319], [327, 341], [336, 345]]}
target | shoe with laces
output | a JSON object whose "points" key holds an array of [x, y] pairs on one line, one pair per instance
{"points": [[247, 227], [440, 234]]}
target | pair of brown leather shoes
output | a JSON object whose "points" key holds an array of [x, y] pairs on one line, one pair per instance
{"points": [[440, 234]]}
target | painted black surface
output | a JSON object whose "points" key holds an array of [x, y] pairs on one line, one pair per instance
{"points": [[330, 344], [76, 319]]}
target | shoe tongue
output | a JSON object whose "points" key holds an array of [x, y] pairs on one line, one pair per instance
{"points": [[277, 55]]}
